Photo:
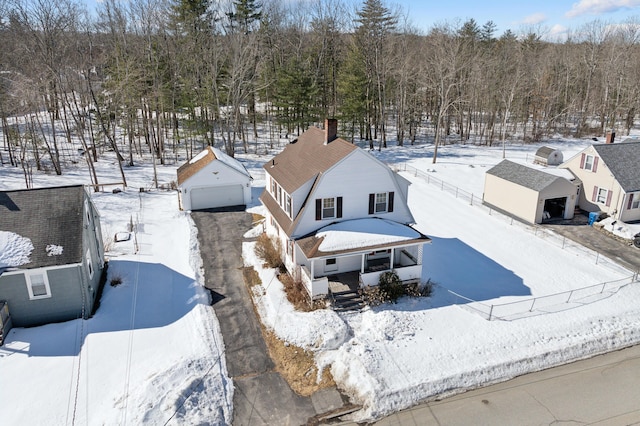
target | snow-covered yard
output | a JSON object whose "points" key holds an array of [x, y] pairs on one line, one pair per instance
{"points": [[395, 355], [152, 354], [154, 349]]}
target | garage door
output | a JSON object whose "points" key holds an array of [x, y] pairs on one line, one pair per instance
{"points": [[216, 196]]}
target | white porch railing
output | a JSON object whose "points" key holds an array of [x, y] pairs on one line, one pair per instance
{"points": [[405, 273], [316, 287]]}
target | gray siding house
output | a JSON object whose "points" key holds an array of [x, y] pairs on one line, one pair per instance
{"points": [[51, 254]]}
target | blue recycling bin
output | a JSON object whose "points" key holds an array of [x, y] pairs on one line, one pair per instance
{"points": [[593, 217]]}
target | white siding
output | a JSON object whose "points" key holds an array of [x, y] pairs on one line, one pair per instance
{"points": [[353, 179], [215, 174]]}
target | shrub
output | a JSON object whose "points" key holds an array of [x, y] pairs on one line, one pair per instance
{"points": [[115, 281], [390, 288], [390, 283], [269, 251]]}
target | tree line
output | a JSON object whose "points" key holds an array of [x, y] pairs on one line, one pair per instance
{"points": [[157, 78]]}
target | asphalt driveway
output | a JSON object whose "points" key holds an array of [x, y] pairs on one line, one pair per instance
{"points": [[588, 236], [261, 396]]}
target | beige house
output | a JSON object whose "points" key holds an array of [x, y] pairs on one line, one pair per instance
{"points": [[530, 194], [610, 178]]}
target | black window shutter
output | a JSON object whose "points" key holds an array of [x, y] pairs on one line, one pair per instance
{"points": [[390, 207], [318, 208], [372, 201], [339, 208]]}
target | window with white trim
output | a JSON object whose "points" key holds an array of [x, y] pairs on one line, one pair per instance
{"points": [[602, 195], [288, 206], [588, 162], [636, 203], [381, 202], [328, 208], [38, 285], [89, 264]]}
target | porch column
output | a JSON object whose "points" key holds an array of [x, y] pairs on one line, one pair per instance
{"points": [[362, 263], [392, 256]]}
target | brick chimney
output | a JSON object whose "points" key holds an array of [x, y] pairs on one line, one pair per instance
{"points": [[330, 130], [610, 137]]}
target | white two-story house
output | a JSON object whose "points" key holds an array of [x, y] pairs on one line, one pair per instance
{"points": [[335, 209]]}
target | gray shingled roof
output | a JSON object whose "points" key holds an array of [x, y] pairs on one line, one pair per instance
{"points": [[623, 159], [545, 151], [522, 175], [47, 216]]}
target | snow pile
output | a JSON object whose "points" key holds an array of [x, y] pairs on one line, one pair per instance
{"points": [[14, 249], [317, 331], [53, 250], [621, 229], [199, 156], [367, 232]]}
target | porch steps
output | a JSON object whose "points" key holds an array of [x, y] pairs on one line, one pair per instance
{"points": [[348, 300]]}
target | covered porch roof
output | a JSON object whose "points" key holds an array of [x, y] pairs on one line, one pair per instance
{"points": [[358, 236]]}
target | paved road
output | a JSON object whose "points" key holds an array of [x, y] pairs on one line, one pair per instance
{"points": [[261, 396], [603, 390]]}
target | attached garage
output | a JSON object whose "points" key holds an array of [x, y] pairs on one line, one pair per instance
{"points": [[530, 194], [212, 180]]}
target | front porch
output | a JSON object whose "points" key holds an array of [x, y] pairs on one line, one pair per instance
{"points": [[353, 254], [351, 272]]}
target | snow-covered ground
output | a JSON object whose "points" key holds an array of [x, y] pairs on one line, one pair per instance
{"points": [[152, 354], [154, 347], [392, 356]]}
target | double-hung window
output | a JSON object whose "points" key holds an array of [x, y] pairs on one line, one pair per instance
{"points": [[602, 195], [328, 208], [381, 202], [588, 162]]}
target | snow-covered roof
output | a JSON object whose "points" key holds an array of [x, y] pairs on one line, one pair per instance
{"points": [[50, 219], [15, 250], [204, 158], [359, 235]]}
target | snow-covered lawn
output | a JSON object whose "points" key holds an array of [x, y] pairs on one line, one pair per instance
{"points": [[392, 356], [152, 354]]}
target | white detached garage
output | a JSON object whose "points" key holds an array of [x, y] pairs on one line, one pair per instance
{"points": [[212, 179]]}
